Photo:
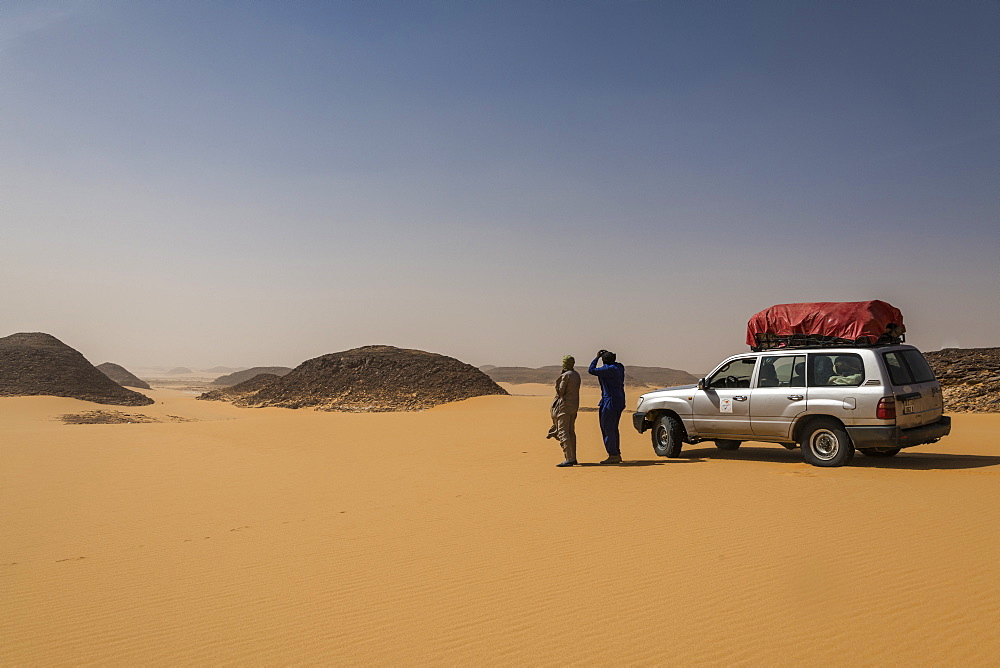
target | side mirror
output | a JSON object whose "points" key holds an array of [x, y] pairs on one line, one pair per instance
{"points": [[701, 383]]}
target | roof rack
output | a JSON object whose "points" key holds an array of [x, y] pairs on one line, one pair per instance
{"points": [[768, 341]]}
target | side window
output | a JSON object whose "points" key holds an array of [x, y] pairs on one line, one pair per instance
{"points": [[833, 370], [735, 374], [782, 371]]}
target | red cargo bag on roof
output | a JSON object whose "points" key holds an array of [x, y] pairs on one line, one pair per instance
{"points": [[825, 323]]}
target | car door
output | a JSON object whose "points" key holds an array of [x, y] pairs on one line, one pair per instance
{"points": [[778, 396], [722, 408], [834, 381]]}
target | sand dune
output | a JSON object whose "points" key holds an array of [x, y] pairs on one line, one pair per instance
{"points": [[274, 536]]}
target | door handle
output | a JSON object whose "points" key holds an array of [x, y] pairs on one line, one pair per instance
{"points": [[796, 397], [739, 397]]}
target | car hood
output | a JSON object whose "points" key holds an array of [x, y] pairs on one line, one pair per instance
{"points": [[681, 387], [676, 387]]}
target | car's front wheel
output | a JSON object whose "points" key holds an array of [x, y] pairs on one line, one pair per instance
{"points": [[825, 442], [728, 445], [668, 435], [879, 452]]}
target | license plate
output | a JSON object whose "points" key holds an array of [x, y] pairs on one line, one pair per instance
{"points": [[907, 407]]}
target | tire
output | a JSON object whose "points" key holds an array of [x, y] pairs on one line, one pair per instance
{"points": [[877, 452], [667, 435], [825, 442], [728, 445]]}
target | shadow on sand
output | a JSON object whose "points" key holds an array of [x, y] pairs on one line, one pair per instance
{"points": [[906, 460], [646, 462]]}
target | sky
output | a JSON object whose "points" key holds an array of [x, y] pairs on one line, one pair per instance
{"points": [[239, 184]]}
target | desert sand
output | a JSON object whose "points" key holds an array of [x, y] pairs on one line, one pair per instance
{"points": [[447, 537]]}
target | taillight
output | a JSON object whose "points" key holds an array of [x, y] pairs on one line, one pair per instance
{"points": [[886, 408]]}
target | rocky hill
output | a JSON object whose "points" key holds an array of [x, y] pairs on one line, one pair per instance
{"points": [[180, 370], [40, 364], [122, 376], [247, 374], [241, 393], [635, 376], [970, 378], [375, 379]]}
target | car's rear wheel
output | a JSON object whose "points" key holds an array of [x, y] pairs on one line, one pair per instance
{"points": [[668, 435], [825, 442], [879, 452], [726, 444]]}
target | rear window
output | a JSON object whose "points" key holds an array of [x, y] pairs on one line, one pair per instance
{"points": [[907, 367], [921, 370]]}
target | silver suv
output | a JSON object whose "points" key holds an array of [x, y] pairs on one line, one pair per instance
{"points": [[828, 401]]}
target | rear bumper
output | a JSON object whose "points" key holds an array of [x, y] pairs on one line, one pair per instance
{"points": [[894, 437], [639, 422]]}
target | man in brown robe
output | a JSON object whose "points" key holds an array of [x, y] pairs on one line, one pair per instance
{"points": [[564, 410]]}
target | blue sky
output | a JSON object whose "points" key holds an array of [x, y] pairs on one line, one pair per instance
{"points": [[207, 183]]}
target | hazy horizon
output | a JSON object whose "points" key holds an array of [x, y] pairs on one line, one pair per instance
{"points": [[235, 184]]}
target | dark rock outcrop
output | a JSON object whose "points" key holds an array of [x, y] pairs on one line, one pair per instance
{"points": [[970, 378], [375, 379], [635, 376], [247, 374], [240, 394], [107, 417], [40, 364], [122, 376]]}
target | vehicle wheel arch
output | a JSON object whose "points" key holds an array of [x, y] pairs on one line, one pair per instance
{"points": [[655, 414], [803, 423]]}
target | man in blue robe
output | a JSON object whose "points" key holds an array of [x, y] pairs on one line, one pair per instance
{"points": [[612, 378]]}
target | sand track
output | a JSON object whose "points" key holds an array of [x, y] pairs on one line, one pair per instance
{"points": [[273, 536]]}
